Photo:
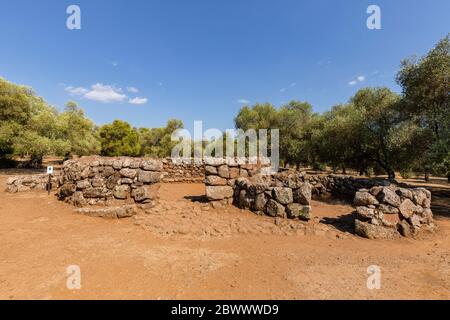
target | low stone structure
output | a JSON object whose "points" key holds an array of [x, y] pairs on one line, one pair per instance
{"points": [[31, 182], [341, 186], [251, 186], [221, 175], [123, 184], [266, 195], [183, 171], [391, 211], [99, 180]]}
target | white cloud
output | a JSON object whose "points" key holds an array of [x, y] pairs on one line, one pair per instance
{"points": [[293, 84], [76, 91], [98, 92], [357, 80], [132, 89], [138, 101], [114, 63], [243, 101], [105, 94], [282, 89]]}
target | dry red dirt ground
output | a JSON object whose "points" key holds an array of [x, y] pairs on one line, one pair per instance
{"points": [[180, 250]]}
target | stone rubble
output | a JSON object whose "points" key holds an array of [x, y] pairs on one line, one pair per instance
{"points": [[391, 211], [122, 185]]}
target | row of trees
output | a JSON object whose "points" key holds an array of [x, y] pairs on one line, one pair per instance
{"points": [[31, 128], [377, 130]]}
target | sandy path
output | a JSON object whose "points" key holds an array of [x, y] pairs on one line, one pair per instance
{"points": [[40, 237]]}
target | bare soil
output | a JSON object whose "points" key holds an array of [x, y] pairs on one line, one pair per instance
{"points": [[183, 250]]}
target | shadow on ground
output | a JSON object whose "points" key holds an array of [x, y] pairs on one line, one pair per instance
{"points": [[200, 199], [344, 223], [440, 204]]}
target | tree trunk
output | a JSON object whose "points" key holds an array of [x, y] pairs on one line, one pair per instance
{"points": [[391, 175]]}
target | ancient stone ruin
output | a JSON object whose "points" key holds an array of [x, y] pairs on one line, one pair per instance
{"points": [[106, 181], [388, 211], [118, 187]]}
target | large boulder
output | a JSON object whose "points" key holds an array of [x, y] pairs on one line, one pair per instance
{"points": [[260, 202], [210, 170], [364, 198], [142, 194], [149, 176], [128, 173], [219, 192], [387, 195], [283, 195], [387, 209], [408, 208], [407, 230], [258, 185], [113, 180], [223, 172], [303, 194], [66, 190], [109, 213], [274, 209], [121, 192], [78, 199], [234, 172], [296, 210], [405, 193], [371, 231], [365, 213], [215, 181], [83, 184], [107, 172], [420, 195], [152, 165], [245, 201], [95, 193]]}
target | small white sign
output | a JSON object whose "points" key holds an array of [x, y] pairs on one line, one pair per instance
{"points": [[49, 170]]}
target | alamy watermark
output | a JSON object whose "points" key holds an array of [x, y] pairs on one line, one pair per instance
{"points": [[73, 281], [73, 21], [374, 279], [374, 20], [234, 146]]}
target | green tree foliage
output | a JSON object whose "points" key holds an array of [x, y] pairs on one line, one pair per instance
{"points": [[260, 116], [156, 142], [119, 139], [293, 121], [79, 131], [16, 102], [28, 125], [426, 86]]}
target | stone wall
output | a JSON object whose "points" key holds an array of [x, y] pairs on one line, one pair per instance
{"points": [[250, 187], [341, 186], [31, 182], [172, 172], [221, 175], [100, 180], [383, 210], [390, 211], [188, 171]]}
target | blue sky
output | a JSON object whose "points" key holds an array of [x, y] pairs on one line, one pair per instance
{"points": [[202, 59]]}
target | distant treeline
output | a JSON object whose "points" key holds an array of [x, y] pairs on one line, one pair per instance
{"points": [[376, 132]]}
